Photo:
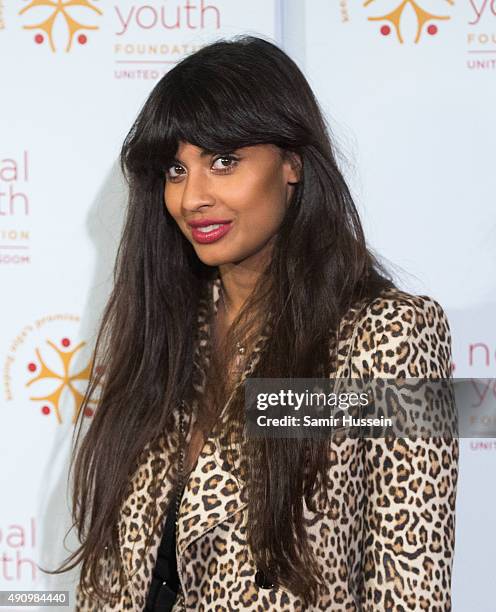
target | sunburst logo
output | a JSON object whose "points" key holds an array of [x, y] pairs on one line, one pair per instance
{"points": [[60, 379], [425, 20], [54, 10]]}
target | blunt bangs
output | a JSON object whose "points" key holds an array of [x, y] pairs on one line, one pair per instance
{"points": [[219, 105]]}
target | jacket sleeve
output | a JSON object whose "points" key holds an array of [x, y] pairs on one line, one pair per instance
{"points": [[120, 599], [84, 603], [87, 603], [410, 483]]}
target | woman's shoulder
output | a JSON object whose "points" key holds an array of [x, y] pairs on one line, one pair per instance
{"points": [[397, 330], [405, 309]]}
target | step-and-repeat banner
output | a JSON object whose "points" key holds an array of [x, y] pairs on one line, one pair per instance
{"points": [[408, 88]]}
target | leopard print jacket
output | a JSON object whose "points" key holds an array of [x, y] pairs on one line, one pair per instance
{"points": [[386, 542]]}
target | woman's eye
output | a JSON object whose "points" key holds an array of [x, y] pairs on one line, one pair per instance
{"points": [[171, 171], [221, 162]]}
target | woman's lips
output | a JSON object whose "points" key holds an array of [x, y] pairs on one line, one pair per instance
{"points": [[205, 235]]}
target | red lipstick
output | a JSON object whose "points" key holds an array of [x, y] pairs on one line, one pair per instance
{"points": [[209, 230]]}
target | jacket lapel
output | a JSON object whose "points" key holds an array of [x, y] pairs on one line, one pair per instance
{"points": [[200, 513]]}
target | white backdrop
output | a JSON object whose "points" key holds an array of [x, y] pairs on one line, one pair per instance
{"points": [[410, 105]]}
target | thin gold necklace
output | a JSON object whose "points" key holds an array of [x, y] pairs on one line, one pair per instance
{"points": [[241, 348]]}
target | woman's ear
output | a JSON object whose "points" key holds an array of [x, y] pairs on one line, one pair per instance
{"points": [[294, 167]]}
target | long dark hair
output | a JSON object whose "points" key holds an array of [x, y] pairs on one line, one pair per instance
{"points": [[229, 94]]}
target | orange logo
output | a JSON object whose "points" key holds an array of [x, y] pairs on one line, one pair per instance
{"points": [[56, 9], [423, 18], [60, 379]]}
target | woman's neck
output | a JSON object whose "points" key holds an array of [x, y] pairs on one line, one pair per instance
{"points": [[236, 287], [238, 280]]}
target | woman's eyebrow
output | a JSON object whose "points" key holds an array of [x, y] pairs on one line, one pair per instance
{"points": [[206, 153], [203, 153]]}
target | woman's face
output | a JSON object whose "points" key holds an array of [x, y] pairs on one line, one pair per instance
{"points": [[243, 194]]}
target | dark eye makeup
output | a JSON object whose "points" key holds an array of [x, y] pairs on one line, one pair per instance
{"points": [[176, 164]]}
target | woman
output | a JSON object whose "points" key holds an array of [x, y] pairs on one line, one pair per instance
{"points": [[242, 256]]}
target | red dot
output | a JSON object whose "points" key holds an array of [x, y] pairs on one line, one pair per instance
{"points": [[32, 367], [45, 410], [82, 40], [66, 341], [432, 29], [385, 30], [38, 39], [88, 412]]}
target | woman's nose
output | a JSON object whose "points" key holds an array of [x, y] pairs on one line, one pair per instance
{"points": [[197, 192]]}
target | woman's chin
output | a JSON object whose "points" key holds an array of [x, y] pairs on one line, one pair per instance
{"points": [[213, 259]]}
